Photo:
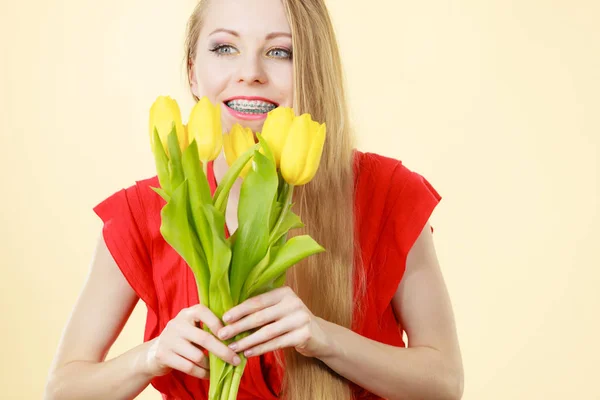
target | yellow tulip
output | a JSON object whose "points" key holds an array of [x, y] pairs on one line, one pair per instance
{"points": [[302, 151], [163, 114], [204, 126], [275, 130], [236, 143]]}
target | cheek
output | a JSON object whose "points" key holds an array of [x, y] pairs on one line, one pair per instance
{"points": [[282, 78], [212, 79]]}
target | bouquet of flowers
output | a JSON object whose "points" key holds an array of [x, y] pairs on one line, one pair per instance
{"points": [[255, 258]]}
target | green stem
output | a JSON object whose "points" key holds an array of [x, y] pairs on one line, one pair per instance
{"points": [[222, 192], [237, 378], [221, 198], [215, 385], [227, 386], [230, 386], [284, 209]]}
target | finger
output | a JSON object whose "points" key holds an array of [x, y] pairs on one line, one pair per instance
{"points": [[266, 333], [255, 304], [203, 314], [290, 339], [256, 320], [184, 365], [210, 343], [192, 353]]}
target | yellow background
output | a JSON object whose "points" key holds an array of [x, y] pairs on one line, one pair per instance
{"points": [[495, 102]]}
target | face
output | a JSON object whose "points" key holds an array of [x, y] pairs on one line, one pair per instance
{"points": [[244, 60]]}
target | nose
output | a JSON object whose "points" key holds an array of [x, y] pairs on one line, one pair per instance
{"points": [[251, 70]]}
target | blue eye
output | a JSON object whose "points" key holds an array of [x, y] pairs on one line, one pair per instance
{"points": [[220, 49], [282, 53], [227, 49]]}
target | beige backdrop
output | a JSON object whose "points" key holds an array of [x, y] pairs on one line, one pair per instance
{"points": [[495, 102]]}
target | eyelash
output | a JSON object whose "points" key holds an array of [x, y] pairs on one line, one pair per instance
{"points": [[221, 46]]}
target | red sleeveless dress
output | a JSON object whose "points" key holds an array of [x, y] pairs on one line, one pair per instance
{"points": [[392, 206]]}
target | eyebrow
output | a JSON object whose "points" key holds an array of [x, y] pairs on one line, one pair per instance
{"points": [[234, 33]]}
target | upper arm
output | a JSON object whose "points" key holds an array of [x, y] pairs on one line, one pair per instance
{"points": [[422, 303], [102, 309]]}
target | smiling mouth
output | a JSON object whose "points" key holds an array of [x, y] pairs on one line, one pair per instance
{"points": [[252, 107]]}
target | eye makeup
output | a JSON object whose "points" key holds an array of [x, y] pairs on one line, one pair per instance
{"points": [[219, 50]]}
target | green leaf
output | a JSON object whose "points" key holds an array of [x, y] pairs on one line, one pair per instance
{"points": [[290, 221], [231, 240], [219, 262], [275, 211], [294, 250], [283, 187], [162, 163], [254, 211], [177, 230], [256, 272], [269, 286], [199, 194], [276, 233], [266, 148], [192, 167], [222, 193], [161, 193], [175, 161], [279, 281]]}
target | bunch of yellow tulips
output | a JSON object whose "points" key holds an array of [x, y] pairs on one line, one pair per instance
{"points": [[296, 142], [254, 259]]}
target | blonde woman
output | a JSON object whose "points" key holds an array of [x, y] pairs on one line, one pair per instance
{"points": [[335, 330]]}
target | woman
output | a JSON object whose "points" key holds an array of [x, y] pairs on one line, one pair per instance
{"points": [[335, 330]]}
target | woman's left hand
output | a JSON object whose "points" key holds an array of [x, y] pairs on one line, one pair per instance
{"points": [[285, 322]]}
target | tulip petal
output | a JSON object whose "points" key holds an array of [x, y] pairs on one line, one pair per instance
{"points": [[239, 140], [181, 136], [204, 126], [217, 132], [230, 155], [313, 157], [297, 145], [276, 128], [165, 112]]}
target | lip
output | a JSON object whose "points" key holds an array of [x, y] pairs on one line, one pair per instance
{"points": [[247, 117]]}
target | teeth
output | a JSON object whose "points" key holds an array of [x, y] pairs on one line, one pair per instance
{"points": [[251, 106]]}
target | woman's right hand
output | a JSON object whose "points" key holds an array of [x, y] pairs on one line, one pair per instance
{"points": [[180, 345]]}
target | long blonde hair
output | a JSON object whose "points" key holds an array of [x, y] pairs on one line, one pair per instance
{"points": [[324, 282]]}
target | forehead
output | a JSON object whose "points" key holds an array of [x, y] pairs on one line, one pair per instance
{"points": [[248, 17]]}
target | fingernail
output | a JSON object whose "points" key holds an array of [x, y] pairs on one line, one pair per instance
{"points": [[223, 334], [236, 360], [226, 317], [248, 353], [233, 346]]}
